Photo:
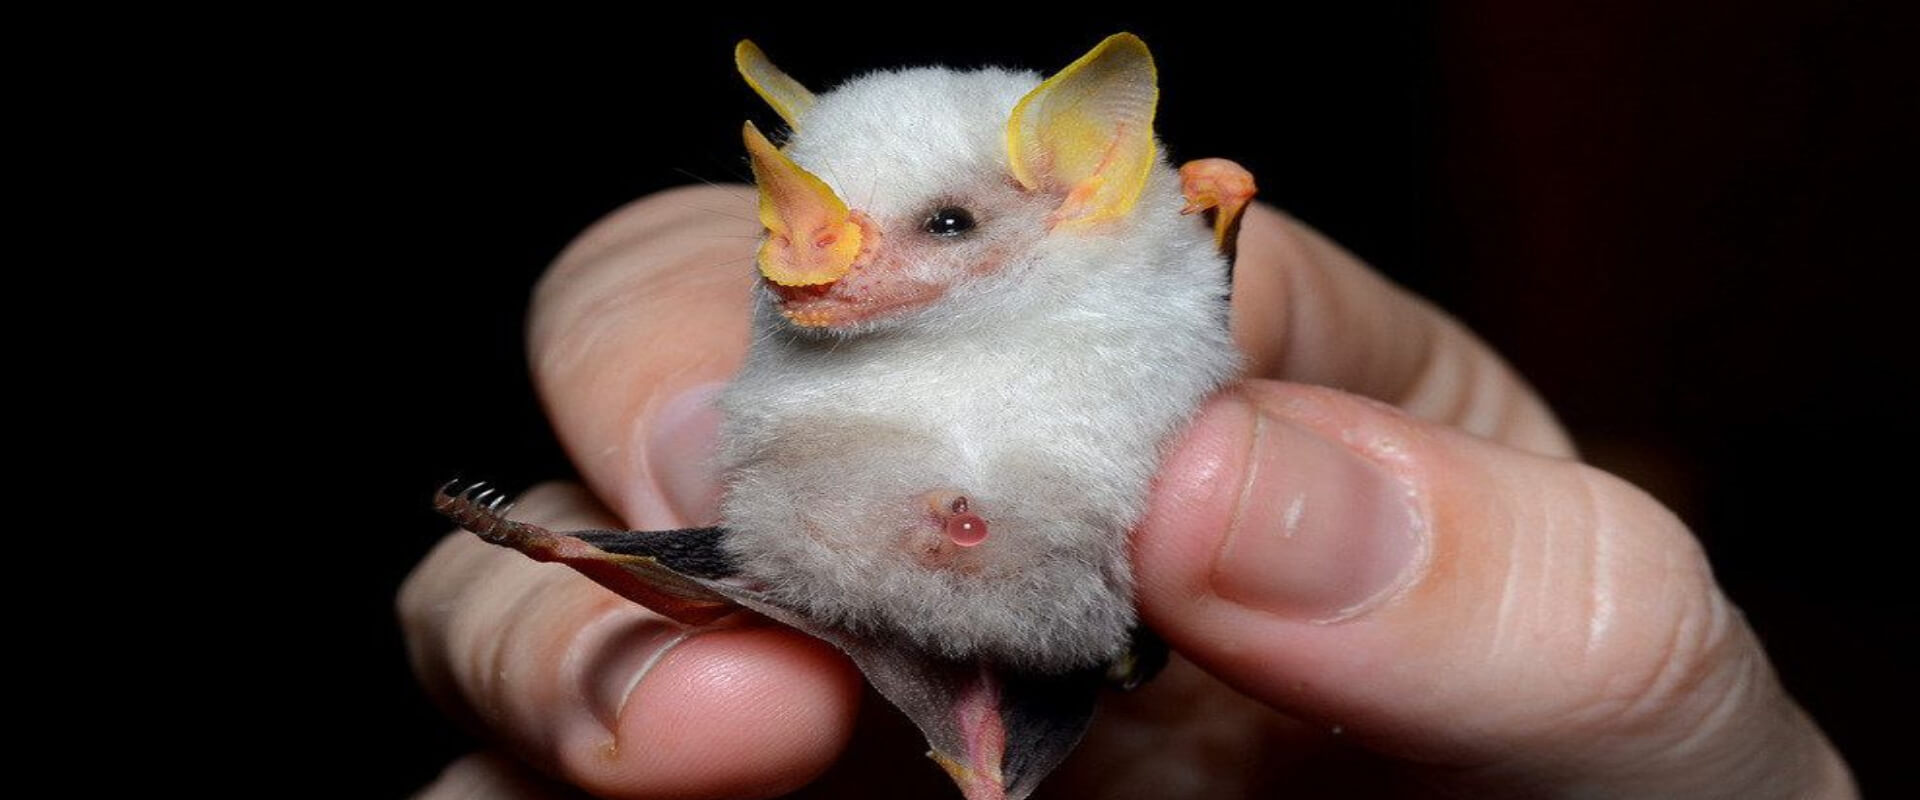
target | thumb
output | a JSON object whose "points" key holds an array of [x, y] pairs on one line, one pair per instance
{"points": [[1505, 617]]}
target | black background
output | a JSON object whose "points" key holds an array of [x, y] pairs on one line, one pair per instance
{"points": [[1690, 227]]}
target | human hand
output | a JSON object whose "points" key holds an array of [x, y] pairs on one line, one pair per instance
{"points": [[1471, 608]]}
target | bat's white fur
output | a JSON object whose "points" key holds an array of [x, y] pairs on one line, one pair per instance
{"points": [[1043, 391]]}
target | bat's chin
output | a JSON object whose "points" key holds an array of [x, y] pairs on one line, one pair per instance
{"points": [[839, 305]]}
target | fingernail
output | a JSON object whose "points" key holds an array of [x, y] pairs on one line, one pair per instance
{"points": [[1319, 532], [623, 661], [680, 454]]}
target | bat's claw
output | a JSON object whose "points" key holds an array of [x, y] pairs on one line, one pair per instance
{"points": [[477, 507]]}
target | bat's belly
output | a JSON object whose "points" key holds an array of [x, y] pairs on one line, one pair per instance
{"points": [[987, 518]]}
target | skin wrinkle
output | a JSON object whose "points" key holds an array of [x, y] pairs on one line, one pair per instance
{"points": [[1337, 314], [429, 622], [1471, 401], [509, 663], [1298, 287], [1689, 650], [586, 301], [1600, 588], [619, 230], [1543, 529], [1293, 315], [1484, 405], [1685, 660], [1242, 497], [1428, 383], [1504, 623], [1704, 755], [1732, 698], [1511, 415], [1368, 301], [484, 650], [1490, 402], [1551, 580]]}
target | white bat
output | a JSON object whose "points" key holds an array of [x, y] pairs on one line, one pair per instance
{"points": [[985, 309]]}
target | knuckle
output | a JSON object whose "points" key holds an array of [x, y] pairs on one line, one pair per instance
{"points": [[427, 593], [1663, 638], [603, 251]]}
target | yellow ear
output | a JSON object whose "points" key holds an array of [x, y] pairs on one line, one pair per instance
{"points": [[1088, 131], [789, 99]]}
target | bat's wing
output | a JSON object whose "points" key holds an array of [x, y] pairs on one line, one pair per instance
{"points": [[998, 732], [657, 569]]}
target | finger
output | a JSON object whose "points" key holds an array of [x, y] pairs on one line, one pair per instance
{"points": [[1461, 603], [630, 336], [1309, 312], [610, 696]]}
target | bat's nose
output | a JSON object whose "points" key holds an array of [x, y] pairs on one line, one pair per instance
{"points": [[812, 237]]}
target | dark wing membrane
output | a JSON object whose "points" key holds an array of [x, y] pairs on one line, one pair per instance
{"points": [[661, 570]]}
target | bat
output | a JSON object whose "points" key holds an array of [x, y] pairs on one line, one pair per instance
{"points": [[985, 305]]}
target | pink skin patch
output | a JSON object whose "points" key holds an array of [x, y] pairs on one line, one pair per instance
{"points": [[964, 527], [966, 530], [954, 528]]}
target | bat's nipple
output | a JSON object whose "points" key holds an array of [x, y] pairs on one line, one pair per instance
{"points": [[952, 514], [966, 529]]}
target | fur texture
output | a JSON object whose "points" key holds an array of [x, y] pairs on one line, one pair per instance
{"points": [[1041, 385]]}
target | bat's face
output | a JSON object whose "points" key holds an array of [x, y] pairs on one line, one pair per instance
{"points": [[920, 158], [938, 198]]}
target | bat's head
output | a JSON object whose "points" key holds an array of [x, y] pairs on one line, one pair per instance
{"points": [[932, 196]]}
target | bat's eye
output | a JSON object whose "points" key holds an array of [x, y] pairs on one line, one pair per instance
{"points": [[950, 221]]}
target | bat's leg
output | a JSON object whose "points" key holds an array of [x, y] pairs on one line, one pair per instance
{"points": [[657, 569], [1222, 189]]}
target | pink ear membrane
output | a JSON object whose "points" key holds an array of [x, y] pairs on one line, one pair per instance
{"points": [[966, 529]]}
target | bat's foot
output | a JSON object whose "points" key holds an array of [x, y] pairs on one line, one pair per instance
{"points": [[477, 507]]}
